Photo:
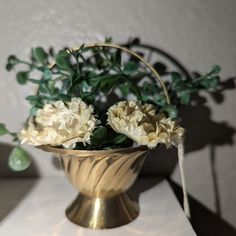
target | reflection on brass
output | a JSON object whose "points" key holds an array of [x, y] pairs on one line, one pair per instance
{"points": [[102, 178]]}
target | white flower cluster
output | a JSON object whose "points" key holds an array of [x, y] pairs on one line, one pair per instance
{"points": [[142, 124], [60, 123]]}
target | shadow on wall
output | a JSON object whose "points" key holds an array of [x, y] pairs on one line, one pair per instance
{"points": [[162, 162], [13, 191], [204, 221], [197, 113]]}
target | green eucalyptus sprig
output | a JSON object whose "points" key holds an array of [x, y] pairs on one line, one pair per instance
{"points": [[182, 88], [84, 78], [19, 159]]}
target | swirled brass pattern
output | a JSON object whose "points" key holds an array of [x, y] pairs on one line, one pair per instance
{"points": [[102, 178]]}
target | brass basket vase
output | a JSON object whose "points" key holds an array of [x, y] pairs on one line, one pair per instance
{"points": [[102, 177]]}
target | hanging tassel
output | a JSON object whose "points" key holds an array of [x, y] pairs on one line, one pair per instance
{"points": [[180, 147]]}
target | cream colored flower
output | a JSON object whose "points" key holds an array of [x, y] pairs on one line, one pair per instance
{"points": [[125, 118], [143, 125], [60, 123]]}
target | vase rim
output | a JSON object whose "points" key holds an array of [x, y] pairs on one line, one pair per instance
{"points": [[62, 151]]}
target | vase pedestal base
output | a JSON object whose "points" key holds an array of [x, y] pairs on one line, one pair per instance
{"points": [[102, 213]]}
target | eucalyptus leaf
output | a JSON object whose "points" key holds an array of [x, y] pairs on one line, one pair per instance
{"points": [[33, 111], [215, 69], [51, 52], [105, 82], [108, 40], [148, 88], [94, 82], [37, 101], [159, 99], [32, 98], [107, 85], [98, 136], [215, 82], [34, 81], [144, 98], [64, 97], [3, 129], [135, 90], [125, 89], [176, 77], [116, 57], [209, 83], [12, 59], [130, 68], [66, 85], [43, 87], [19, 159], [22, 77], [85, 86], [10, 66], [120, 139], [15, 139], [184, 97], [40, 55], [62, 61], [51, 86], [47, 74], [171, 110]]}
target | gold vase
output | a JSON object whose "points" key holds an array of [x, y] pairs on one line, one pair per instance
{"points": [[102, 178]]}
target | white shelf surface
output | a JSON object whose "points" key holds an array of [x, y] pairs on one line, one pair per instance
{"points": [[35, 207]]}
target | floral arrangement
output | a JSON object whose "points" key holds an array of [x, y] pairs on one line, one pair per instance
{"points": [[95, 98]]}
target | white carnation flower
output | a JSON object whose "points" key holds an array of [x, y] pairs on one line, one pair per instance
{"points": [[141, 124], [60, 123]]}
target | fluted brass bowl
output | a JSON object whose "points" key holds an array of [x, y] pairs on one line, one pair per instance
{"points": [[102, 178]]}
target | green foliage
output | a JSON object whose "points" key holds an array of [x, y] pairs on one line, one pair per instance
{"points": [[215, 70], [116, 58], [12, 60], [47, 74], [64, 97], [40, 55], [98, 137], [171, 111], [22, 77], [130, 68], [19, 159], [3, 129], [124, 89], [87, 73], [184, 97], [209, 80], [120, 139], [105, 138], [63, 62]]}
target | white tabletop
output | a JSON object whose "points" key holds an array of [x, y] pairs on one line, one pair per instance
{"points": [[31, 207]]}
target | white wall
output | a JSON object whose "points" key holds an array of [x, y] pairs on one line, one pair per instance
{"points": [[199, 33]]}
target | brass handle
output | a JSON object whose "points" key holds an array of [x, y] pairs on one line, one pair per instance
{"points": [[150, 67]]}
